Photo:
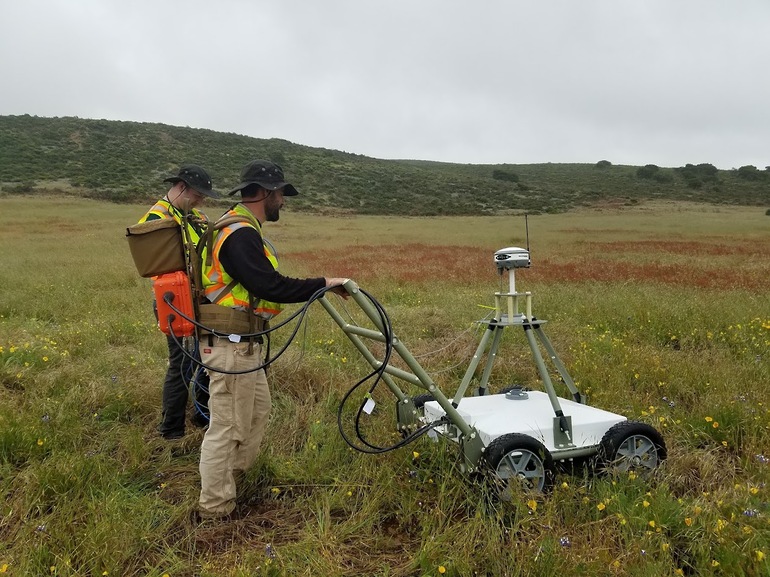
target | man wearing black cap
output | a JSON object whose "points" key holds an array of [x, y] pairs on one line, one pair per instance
{"points": [[246, 290], [188, 189]]}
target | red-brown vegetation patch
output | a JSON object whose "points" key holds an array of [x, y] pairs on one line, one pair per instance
{"points": [[408, 263], [421, 263], [649, 273], [720, 247]]}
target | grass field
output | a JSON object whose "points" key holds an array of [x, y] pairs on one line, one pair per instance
{"points": [[660, 311]]}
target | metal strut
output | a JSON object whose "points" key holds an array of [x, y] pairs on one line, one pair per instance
{"points": [[418, 376]]}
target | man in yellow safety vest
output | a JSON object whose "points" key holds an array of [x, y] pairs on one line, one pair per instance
{"points": [[245, 289], [189, 187]]}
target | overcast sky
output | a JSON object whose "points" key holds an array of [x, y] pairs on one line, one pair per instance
{"points": [[637, 82]]}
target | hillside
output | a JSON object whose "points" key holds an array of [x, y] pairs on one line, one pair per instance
{"points": [[126, 162]]}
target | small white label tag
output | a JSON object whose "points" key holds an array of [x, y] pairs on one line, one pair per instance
{"points": [[369, 406], [234, 338]]}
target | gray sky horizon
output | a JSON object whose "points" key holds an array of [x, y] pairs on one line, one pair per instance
{"points": [[632, 82]]}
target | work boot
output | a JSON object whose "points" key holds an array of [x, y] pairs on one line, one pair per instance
{"points": [[199, 517]]}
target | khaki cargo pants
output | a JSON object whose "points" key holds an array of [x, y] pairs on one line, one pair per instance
{"points": [[239, 407]]}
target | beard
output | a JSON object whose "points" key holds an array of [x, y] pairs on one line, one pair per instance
{"points": [[272, 208]]}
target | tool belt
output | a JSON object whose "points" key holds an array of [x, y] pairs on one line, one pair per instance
{"points": [[229, 321]]}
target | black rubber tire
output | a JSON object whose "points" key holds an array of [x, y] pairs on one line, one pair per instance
{"points": [[420, 400], [631, 446], [521, 457]]}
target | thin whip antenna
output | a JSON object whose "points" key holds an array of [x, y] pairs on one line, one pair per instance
{"points": [[526, 226]]}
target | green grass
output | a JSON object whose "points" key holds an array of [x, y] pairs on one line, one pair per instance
{"points": [[90, 489]]}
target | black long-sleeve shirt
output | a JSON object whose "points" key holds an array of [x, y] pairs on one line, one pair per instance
{"points": [[243, 257]]}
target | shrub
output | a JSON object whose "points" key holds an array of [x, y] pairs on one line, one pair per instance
{"points": [[603, 164], [695, 176], [647, 171], [20, 188], [498, 174], [750, 172]]}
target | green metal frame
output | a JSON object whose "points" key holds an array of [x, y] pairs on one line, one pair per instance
{"points": [[506, 314]]}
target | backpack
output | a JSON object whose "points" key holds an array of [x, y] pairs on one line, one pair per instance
{"points": [[164, 250]]}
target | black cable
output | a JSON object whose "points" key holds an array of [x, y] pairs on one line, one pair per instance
{"points": [[388, 336], [299, 313], [193, 375], [371, 448], [387, 332]]}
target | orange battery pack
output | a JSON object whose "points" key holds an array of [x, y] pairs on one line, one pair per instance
{"points": [[174, 287]]}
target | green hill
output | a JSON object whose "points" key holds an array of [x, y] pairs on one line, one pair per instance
{"points": [[126, 162]]}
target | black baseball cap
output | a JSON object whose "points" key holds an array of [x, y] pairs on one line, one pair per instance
{"points": [[194, 177], [267, 175]]}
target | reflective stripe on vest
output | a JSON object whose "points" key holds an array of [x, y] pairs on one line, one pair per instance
{"points": [[216, 280], [163, 209]]}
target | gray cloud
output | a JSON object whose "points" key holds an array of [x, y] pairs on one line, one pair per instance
{"points": [[496, 81]]}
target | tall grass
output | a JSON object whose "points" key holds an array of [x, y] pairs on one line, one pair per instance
{"points": [[661, 312]]}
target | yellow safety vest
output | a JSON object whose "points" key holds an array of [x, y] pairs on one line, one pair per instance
{"points": [[164, 209], [216, 280]]}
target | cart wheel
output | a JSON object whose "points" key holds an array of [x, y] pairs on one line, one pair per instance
{"points": [[420, 400], [516, 458], [631, 446]]}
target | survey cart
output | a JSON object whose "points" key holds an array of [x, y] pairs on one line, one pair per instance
{"points": [[517, 434]]}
